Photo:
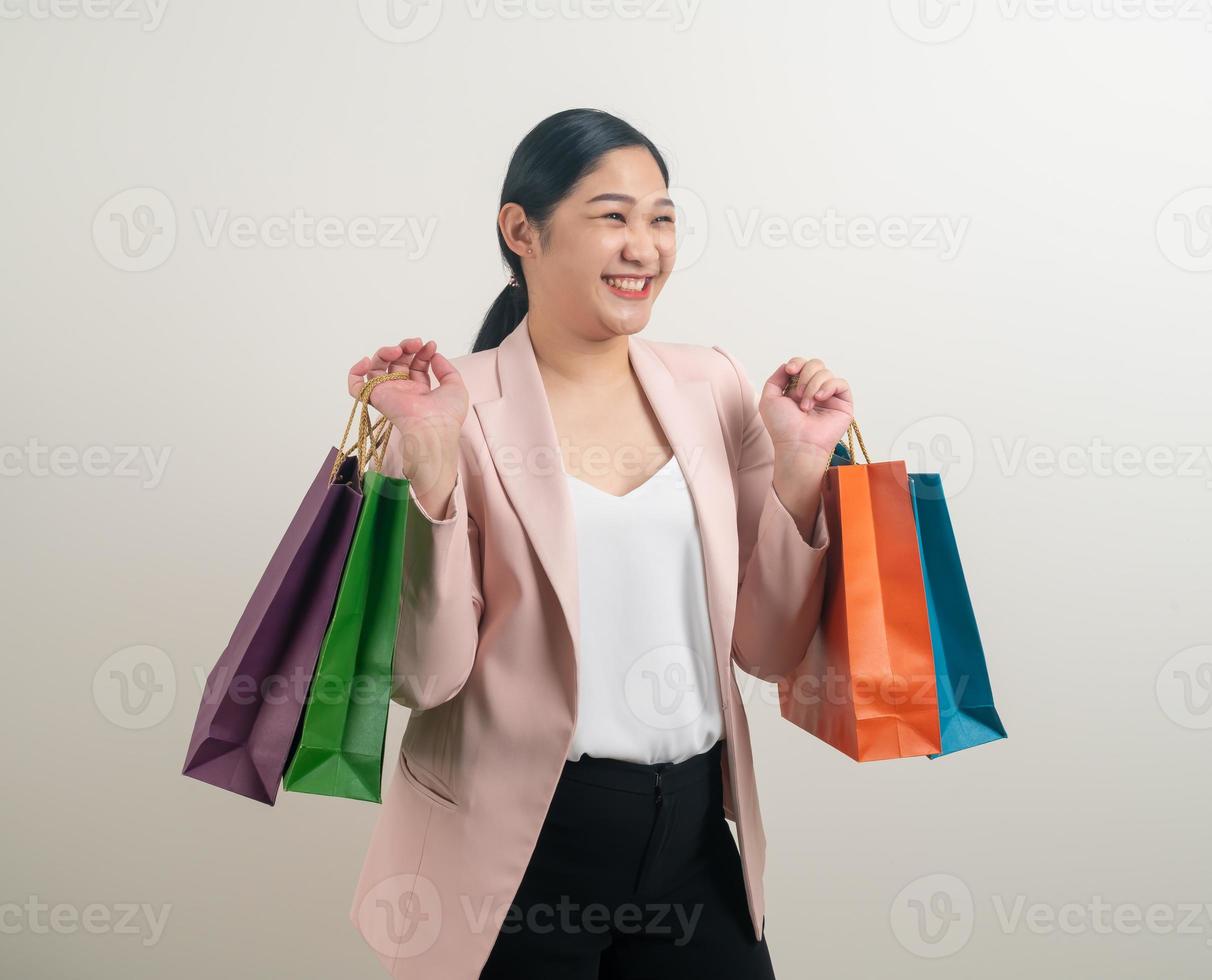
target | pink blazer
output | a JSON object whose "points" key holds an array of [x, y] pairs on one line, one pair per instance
{"points": [[486, 654]]}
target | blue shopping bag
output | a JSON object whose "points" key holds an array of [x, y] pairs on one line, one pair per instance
{"points": [[967, 715]]}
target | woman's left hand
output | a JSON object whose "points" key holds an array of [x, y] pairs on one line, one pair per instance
{"points": [[809, 413]]}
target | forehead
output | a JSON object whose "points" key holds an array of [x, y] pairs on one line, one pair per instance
{"points": [[626, 175]]}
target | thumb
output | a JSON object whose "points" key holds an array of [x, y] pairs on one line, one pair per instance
{"points": [[445, 372], [773, 388]]}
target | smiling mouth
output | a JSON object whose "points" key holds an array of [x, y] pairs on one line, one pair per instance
{"points": [[631, 287]]}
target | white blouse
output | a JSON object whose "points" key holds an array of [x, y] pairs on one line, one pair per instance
{"points": [[647, 689]]}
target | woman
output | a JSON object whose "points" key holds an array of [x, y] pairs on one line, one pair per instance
{"points": [[567, 628]]}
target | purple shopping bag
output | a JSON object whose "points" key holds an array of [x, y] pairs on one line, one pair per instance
{"points": [[256, 692]]}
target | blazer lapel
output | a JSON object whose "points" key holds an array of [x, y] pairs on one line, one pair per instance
{"points": [[524, 447]]}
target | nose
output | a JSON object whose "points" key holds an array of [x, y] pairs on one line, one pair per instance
{"points": [[642, 246]]}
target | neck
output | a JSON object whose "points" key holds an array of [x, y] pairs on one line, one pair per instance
{"points": [[567, 358]]}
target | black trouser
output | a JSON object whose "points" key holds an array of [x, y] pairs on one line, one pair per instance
{"points": [[634, 876]]}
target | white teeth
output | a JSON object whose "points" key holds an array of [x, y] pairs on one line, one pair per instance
{"points": [[632, 285]]}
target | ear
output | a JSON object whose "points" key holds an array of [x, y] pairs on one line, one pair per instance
{"points": [[516, 229]]}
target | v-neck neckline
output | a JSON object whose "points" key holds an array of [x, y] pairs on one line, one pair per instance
{"points": [[623, 496]]}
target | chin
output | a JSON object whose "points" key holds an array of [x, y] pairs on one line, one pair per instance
{"points": [[631, 322]]}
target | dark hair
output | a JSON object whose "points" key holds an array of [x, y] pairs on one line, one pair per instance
{"points": [[546, 165]]}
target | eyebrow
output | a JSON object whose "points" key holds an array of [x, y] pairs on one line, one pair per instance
{"points": [[628, 199]]}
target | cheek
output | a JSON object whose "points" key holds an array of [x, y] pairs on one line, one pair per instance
{"points": [[597, 251], [611, 240]]}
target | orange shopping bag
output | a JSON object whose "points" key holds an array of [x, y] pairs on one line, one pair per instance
{"points": [[867, 683]]}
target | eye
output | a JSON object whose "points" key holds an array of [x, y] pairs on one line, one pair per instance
{"points": [[615, 214], [665, 217]]}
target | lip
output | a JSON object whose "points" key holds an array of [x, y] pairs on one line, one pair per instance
{"points": [[630, 293]]}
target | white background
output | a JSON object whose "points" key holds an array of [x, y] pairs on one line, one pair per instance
{"points": [[1046, 366]]}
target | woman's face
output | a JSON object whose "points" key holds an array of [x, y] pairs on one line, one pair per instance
{"points": [[610, 247]]}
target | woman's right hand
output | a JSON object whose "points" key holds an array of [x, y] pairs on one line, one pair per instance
{"points": [[428, 419]]}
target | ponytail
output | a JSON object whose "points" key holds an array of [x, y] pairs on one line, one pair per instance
{"points": [[505, 313]]}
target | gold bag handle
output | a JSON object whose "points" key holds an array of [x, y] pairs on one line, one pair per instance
{"points": [[372, 439], [852, 432]]}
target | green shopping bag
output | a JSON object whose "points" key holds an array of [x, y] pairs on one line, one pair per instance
{"points": [[339, 750]]}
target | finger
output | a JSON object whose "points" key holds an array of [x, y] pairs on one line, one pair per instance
{"points": [[409, 347], [812, 387], [418, 369], [370, 367], [357, 375], [444, 371], [815, 381], [381, 360], [832, 388], [799, 371], [774, 385]]}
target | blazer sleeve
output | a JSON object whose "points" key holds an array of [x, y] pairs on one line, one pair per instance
{"points": [[782, 574], [441, 596]]}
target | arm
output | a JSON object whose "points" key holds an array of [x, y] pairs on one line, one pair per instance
{"points": [[782, 572], [441, 599]]}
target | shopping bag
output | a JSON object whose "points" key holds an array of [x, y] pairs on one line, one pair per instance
{"points": [[340, 747], [254, 695], [867, 683], [967, 716]]}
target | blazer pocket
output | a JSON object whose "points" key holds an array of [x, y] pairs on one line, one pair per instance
{"points": [[427, 783]]}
